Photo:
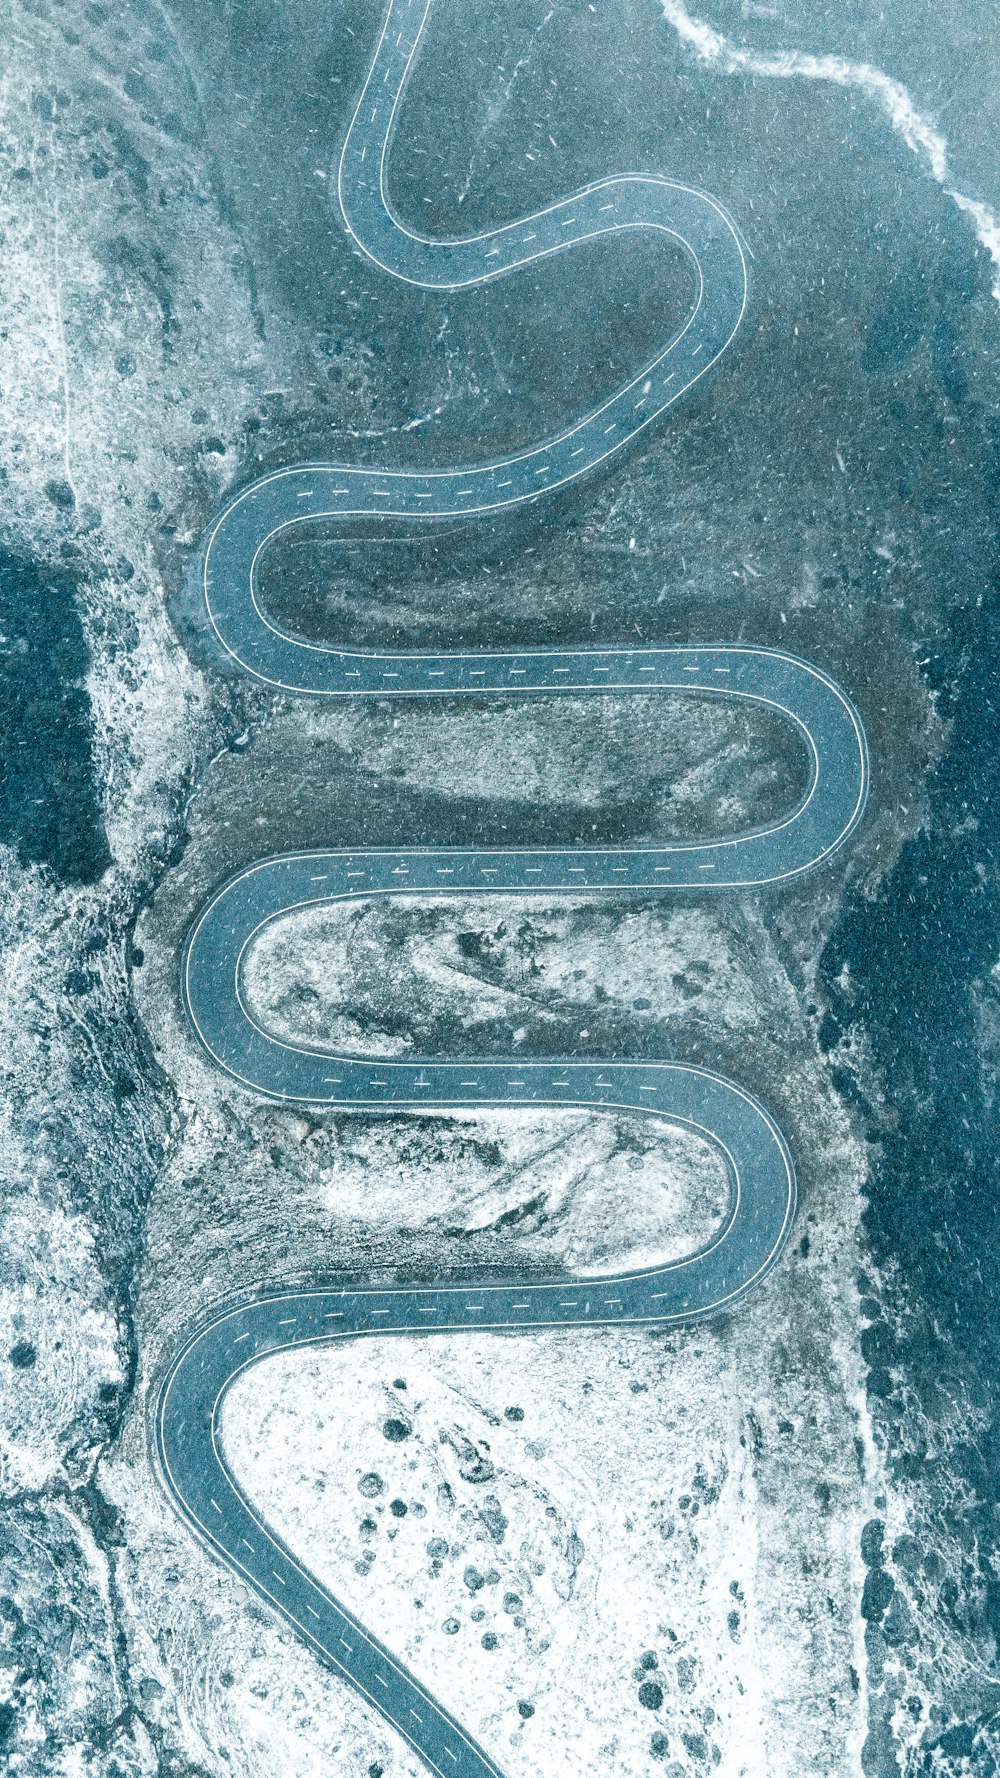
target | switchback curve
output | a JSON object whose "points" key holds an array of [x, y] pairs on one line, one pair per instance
{"points": [[762, 1186]]}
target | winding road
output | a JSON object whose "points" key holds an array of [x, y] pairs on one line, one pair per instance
{"points": [[762, 1187], [310, 492]]}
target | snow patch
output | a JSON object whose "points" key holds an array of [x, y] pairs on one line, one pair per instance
{"points": [[891, 96]]}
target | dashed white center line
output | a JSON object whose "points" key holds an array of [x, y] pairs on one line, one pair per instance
{"points": [[376, 873]]}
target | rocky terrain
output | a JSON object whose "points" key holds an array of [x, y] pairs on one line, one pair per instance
{"points": [[762, 1546]]}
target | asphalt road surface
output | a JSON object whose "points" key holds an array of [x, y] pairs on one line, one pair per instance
{"points": [[762, 1185], [311, 492]]}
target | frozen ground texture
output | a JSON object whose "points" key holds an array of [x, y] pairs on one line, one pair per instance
{"points": [[766, 1546]]}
